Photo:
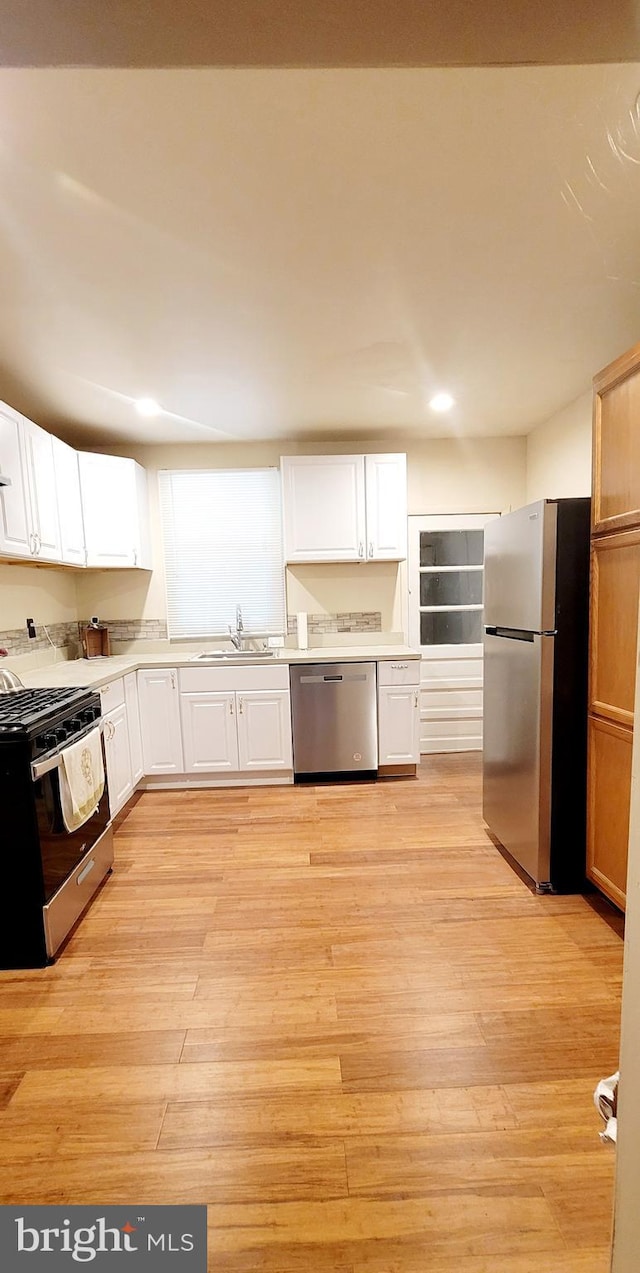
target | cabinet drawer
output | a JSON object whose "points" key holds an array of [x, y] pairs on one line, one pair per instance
{"points": [[218, 679], [112, 695], [399, 672]]}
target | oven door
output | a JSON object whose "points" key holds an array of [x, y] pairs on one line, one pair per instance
{"points": [[62, 850]]}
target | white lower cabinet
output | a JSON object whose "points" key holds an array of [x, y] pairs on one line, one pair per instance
{"points": [[133, 726], [264, 729], [160, 721], [399, 712], [116, 746], [209, 735], [236, 720]]}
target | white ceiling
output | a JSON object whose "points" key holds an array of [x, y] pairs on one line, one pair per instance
{"points": [[272, 253]]}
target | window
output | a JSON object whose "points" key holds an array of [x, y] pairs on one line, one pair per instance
{"points": [[222, 533], [450, 586]]}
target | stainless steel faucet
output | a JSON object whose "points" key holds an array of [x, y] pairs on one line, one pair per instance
{"points": [[238, 635]]}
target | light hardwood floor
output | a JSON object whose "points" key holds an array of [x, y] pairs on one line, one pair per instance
{"points": [[337, 1016]]}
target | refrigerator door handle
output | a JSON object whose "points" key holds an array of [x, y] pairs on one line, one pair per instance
{"points": [[513, 634]]}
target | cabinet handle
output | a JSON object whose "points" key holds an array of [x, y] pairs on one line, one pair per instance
{"points": [[361, 549], [32, 544], [173, 680], [370, 549], [240, 706], [135, 557], [231, 706], [417, 699], [38, 544]]}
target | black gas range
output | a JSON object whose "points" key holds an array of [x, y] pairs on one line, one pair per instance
{"points": [[49, 873]]}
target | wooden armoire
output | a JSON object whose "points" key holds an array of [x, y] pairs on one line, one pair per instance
{"points": [[615, 594]]}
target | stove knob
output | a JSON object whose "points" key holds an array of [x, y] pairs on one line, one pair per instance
{"points": [[75, 724], [61, 733], [49, 741]]}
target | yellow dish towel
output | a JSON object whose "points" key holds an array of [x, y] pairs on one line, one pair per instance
{"points": [[81, 779]]}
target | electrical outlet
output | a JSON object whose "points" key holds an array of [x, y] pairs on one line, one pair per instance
{"points": [[31, 628]]}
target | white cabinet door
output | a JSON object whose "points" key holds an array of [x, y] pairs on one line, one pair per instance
{"points": [[386, 487], [116, 742], [160, 720], [324, 507], [264, 729], [115, 512], [69, 503], [209, 732], [16, 538], [133, 725], [43, 492], [399, 724]]}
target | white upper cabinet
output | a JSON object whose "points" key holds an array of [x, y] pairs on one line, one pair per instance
{"points": [[43, 496], [344, 507], [386, 490], [16, 535], [29, 524], [61, 506], [69, 503], [114, 503], [324, 507]]}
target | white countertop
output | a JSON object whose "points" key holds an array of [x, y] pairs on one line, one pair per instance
{"points": [[96, 672]]}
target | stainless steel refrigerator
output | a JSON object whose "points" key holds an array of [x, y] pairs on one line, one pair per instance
{"points": [[536, 614]]}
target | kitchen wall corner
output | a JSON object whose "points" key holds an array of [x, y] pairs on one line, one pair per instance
{"points": [[559, 453]]}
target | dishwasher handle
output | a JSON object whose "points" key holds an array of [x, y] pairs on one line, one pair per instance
{"points": [[332, 676]]}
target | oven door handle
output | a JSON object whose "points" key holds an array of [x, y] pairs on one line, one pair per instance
{"points": [[41, 767]]}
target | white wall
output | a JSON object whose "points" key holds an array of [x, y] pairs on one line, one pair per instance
{"points": [[35, 592], [559, 453], [444, 475]]}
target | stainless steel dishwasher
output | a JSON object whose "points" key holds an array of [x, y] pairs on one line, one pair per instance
{"points": [[335, 718]]}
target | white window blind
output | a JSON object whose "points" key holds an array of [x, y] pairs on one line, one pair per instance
{"points": [[223, 548]]}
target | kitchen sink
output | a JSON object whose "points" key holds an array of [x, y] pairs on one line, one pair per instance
{"points": [[221, 656]]}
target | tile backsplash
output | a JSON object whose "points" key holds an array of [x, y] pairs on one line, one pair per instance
{"points": [[135, 629], [16, 640], [347, 621]]}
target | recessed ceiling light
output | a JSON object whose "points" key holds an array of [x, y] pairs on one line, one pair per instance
{"points": [[147, 406], [441, 402]]}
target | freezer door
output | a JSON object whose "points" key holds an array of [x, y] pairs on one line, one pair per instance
{"points": [[516, 776], [519, 569]]}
